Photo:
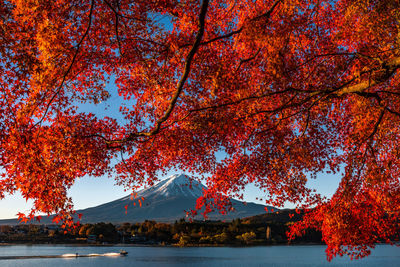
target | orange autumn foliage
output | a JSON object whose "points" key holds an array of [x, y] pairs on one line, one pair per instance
{"points": [[284, 88]]}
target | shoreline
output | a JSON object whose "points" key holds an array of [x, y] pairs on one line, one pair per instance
{"points": [[155, 245]]}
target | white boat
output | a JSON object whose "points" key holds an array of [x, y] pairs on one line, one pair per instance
{"points": [[69, 255], [112, 254]]}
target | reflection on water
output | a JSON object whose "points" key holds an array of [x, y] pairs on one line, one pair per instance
{"points": [[383, 255]]}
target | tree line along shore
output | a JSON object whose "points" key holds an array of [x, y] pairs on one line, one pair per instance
{"points": [[265, 229]]}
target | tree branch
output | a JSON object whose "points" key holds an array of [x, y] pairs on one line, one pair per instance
{"points": [[230, 34], [393, 111], [241, 100], [181, 82], [242, 61], [120, 15], [389, 69], [117, 32], [376, 125], [70, 65]]}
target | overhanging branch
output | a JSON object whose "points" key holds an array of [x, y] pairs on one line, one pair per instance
{"points": [[181, 82], [70, 65], [388, 70], [266, 15]]}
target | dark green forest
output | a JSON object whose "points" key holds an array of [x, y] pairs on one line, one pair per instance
{"points": [[265, 229]]}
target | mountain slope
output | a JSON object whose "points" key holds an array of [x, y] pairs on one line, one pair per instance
{"points": [[166, 201]]}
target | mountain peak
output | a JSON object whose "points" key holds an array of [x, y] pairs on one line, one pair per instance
{"points": [[175, 185], [181, 179]]}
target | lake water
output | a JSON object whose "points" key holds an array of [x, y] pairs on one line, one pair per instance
{"points": [[383, 255]]}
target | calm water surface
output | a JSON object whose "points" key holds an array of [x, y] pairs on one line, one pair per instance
{"points": [[383, 255]]}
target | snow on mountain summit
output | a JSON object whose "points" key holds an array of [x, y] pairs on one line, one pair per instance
{"points": [[175, 185]]}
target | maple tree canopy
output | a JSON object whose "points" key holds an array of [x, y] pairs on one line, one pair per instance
{"points": [[285, 89]]}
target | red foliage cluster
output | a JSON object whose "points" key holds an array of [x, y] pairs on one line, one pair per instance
{"points": [[284, 89]]}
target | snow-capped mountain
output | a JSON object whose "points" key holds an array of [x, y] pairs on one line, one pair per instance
{"points": [[166, 201], [175, 185]]}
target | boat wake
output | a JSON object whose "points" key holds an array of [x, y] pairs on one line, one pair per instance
{"points": [[67, 255]]}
